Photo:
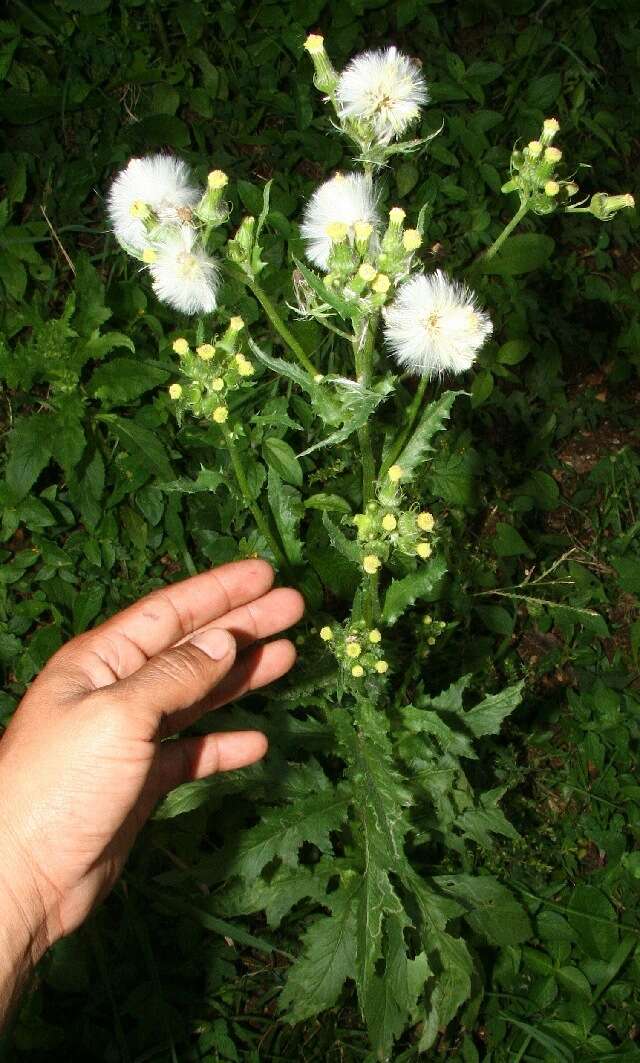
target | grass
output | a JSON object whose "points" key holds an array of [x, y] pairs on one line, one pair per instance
{"points": [[540, 480]]}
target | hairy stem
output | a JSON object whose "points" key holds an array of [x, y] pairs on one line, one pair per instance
{"points": [[261, 522], [401, 439], [280, 327], [506, 232]]}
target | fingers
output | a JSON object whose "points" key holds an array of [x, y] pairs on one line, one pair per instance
{"points": [[273, 612], [121, 645], [175, 679], [256, 668], [188, 759]]}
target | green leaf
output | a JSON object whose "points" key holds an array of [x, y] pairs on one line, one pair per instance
{"points": [[283, 830], [520, 254], [281, 457], [347, 547], [594, 919], [124, 379], [508, 542], [403, 592], [286, 506], [315, 980], [492, 910], [513, 352], [347, 310], [432, 420], [143, 445], [486, 718], [30, 447], [327, 503]]}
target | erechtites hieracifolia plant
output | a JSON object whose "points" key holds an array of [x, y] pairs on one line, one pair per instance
{"points": [[380, 852]]}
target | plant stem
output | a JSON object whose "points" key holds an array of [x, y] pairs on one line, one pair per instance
{"points": [[280, 327], [401, 440], [259, 517], [506, 232], [363, 353]]}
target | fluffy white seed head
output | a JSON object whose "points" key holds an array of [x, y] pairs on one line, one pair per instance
{"points": [[435, 326], [344, 199], [157, 183], [183, 275], [384, 88]]}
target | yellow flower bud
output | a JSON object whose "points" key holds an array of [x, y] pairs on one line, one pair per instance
{"points": [[382, 667], [551, 188], [139, 210], [381, 284], [314, 44], [371, 564], [552, 154], [217, 179], [427, 619], [431, 641], [395, 473], [220, 414], [205, 351], [175, 391], [245, 367], [181, 346], [389, 522], [354, 649], [423, 550], [149, 255], [326, 634], [363, 230], [236, 324], [336, 231], [425, 521], [396, 215], [367, 272], [411, 240], [318, 378], [217, 384], [357, 671], [572, 188], [535, 148], [374, 635], [550, 127]]}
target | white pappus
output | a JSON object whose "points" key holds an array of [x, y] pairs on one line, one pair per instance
{"points": [[383, 88], [159, 185], [435, 326], [345, 199], [183, 274]]}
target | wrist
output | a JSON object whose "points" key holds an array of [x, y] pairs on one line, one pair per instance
{"points": [[24, 926]]}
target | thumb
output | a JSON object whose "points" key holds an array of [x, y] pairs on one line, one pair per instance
{"points": [[181, 676]]}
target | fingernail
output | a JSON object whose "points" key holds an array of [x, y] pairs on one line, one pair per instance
{"points": [[216, 643]]}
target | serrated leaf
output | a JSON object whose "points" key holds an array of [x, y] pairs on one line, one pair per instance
{"points": [[347, 310], [432, 421], [124, 379], [283, 830], [286, 506], [403, 592], [486, 718], [29, 447], [491, 908], [281, 457], [347, 547], [315, 980], [145, 447]]}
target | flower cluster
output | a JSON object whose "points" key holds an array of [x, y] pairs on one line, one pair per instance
{"points": [[384, 530], [162, 219], [357, 648], [536, 177], [212, 371], [433, 325]]}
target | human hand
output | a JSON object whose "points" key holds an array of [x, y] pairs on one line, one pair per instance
{"points": [[82, 763]]}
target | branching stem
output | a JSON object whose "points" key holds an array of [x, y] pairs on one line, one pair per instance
{"points": [[283, 331], [261, 522]]}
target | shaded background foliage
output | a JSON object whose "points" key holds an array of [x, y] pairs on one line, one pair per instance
{"points": [[540, 465]]}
